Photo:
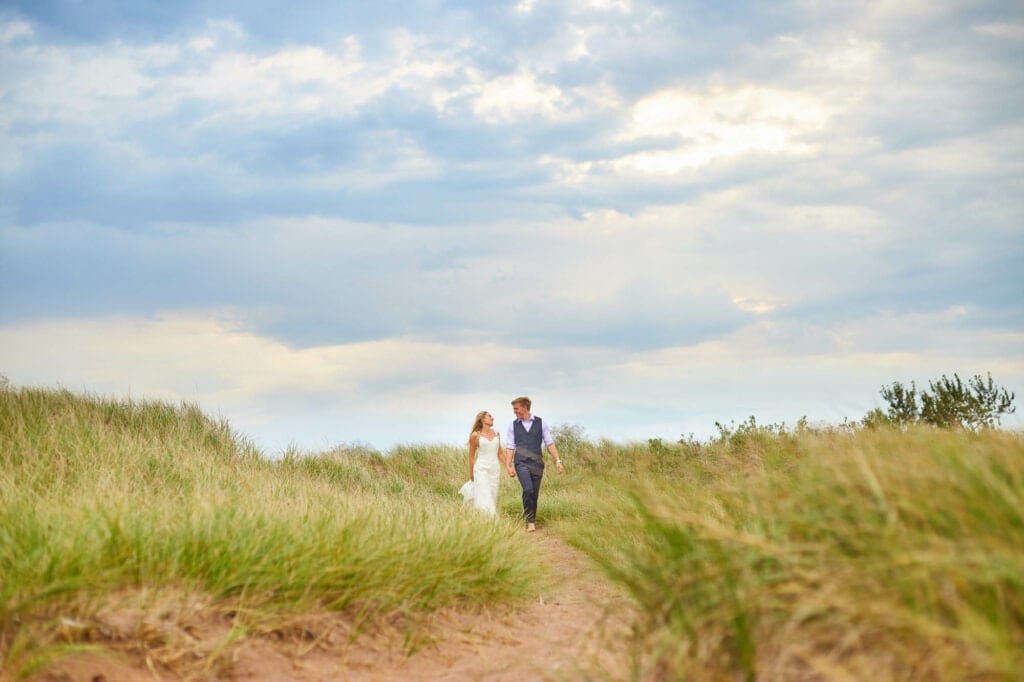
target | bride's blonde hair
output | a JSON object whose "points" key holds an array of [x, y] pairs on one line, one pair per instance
{"points": [[478, 423]]}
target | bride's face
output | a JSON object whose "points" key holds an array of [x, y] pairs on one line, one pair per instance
{"points": [[488, 420]]}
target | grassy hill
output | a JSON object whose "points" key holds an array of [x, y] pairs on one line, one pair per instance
{"points": [[103, 498], [771, 553], [836, 553]]}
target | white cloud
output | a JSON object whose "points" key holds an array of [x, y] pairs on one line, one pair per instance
{"points": [[296, 81], [1011, 31], [77, 85], [837, 65], [624, 6], [580, 39], [12, 30], [691, 129], [750, 112], [396, 391], [219, 32], [685, 271], [567, 172], [520, 96], [744, 212], [880, 14], [212, 358], [106, 87], [749, 140], [754, 305]]}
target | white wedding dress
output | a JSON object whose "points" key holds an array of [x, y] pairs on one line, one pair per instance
{"points": [[483, 491]]}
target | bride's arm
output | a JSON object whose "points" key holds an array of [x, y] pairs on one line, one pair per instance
{"points": [[474, 441]]}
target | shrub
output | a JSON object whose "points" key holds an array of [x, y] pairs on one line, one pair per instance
{"points": [[947, 403]]}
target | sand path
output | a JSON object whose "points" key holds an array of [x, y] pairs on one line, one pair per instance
{"points": [[575, 630]]}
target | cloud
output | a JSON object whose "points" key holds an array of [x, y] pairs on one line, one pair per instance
{"points": [[661, 276], [395, 391], [681, 213], [212, 358], [106, 87], [518, 95], [720, 124], [211, 116], [1011, 31], [13, 30], [623, 6]]}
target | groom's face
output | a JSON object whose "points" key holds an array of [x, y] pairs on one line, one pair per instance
{"points": [[520, 411]]}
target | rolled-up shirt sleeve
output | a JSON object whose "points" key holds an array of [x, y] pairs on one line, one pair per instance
{"points": [[546, 432], [510, 437]]}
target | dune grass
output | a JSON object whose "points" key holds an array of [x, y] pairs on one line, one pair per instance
{"points": [[812, 554], [767, 553], [102, 497]]}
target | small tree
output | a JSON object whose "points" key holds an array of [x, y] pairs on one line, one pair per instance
{"points": [[569, 438], [948, 403], [902, 402]]}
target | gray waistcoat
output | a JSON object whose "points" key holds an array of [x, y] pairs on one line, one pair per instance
{"points": [[529, 444]]}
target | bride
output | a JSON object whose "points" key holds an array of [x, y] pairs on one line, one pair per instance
{"points": [[484, 465]]}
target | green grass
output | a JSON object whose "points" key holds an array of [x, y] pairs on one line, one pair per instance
{"points": [[830, 554], [767, 553], [100, 497]]}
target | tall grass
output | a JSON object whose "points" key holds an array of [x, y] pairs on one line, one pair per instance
{"points": [[767, 553], [804, 554], [100, 497]]}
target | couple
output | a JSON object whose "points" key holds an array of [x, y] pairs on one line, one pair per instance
{"points": [[522, 458]]}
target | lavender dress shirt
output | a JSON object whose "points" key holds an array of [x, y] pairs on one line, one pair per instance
{"points": [[510, 435]]}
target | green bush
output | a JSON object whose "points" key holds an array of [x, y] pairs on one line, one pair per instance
{"points": [[947, 403]]}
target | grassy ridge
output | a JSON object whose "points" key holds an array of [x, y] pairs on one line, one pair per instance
{"points": [[767, 553], [101, 496], [835, 554]]}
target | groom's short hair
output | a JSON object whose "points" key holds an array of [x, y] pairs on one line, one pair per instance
{"points": [[522, 400]]}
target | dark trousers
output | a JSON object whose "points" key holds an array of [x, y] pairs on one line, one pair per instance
{"points": [[529, 477]]}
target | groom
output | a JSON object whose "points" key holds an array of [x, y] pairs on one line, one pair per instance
{"points": [[524, 457]]}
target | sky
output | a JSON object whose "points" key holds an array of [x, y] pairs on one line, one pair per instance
{"points": [[363, 222]]}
